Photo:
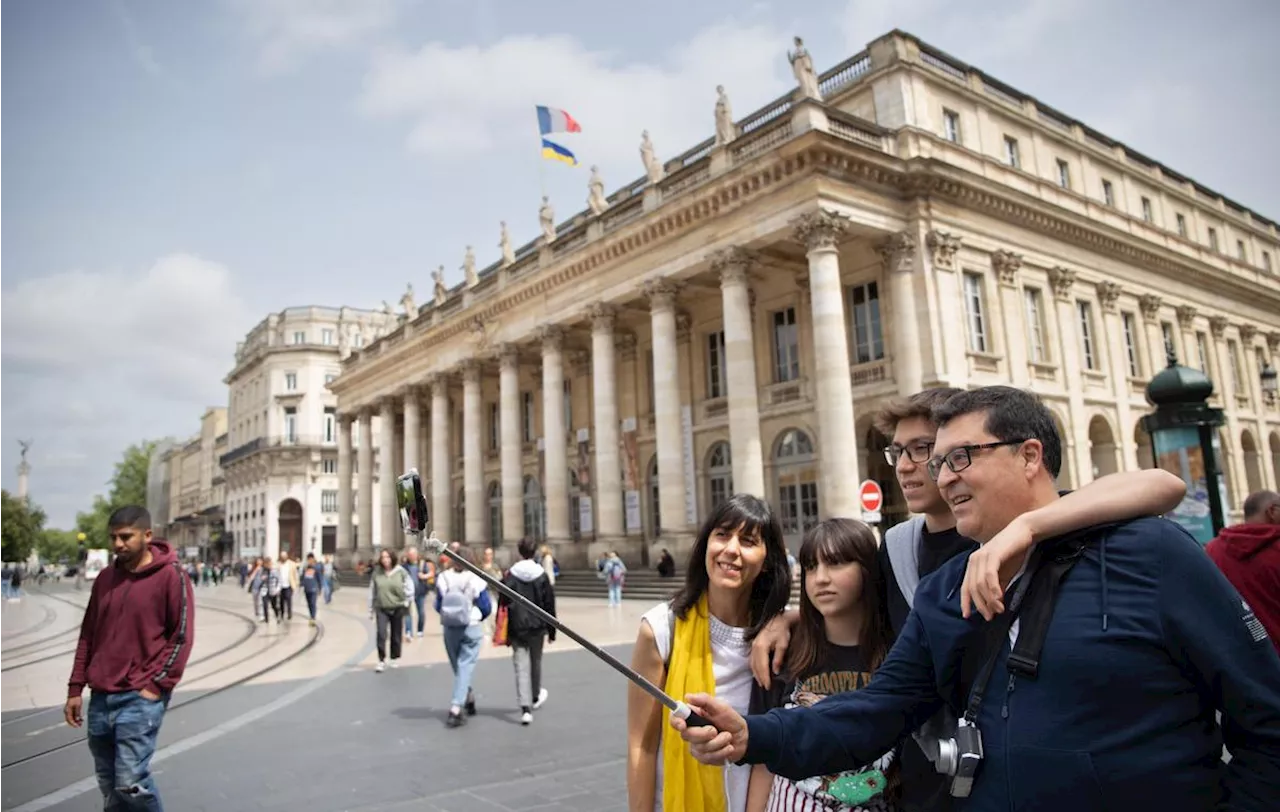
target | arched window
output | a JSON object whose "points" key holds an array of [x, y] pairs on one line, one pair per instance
{"points": [[719, 474], [796, 474], [655, 501], [533, 527], [495, 513], [575, 505], [460, 517]]}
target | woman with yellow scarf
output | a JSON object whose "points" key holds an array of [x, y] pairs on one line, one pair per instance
{"points": [[737, 580]]}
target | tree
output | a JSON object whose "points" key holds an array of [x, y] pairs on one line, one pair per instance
{"points": [[128, 487], [93, 523], [21, 525], [59, 546]]}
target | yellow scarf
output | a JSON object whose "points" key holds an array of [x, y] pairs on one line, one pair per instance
{"points": [[687, 785]]}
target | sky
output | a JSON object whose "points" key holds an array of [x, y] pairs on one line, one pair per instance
{"points": [[173, 172]]}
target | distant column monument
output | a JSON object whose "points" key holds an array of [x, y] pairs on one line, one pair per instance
{"points": [[24, 469]]}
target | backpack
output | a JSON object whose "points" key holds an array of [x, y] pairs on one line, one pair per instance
{"points": [[455, 605]]}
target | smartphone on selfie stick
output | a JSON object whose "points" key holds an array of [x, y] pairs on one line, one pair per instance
{"points": [[414, 519]]}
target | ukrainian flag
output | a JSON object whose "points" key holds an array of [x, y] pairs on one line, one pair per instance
{"points": [[555, 152]]}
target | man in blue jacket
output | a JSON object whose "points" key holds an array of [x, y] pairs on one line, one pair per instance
{"points": [[1145, 642]]}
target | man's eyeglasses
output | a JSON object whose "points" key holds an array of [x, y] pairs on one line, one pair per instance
{"points": [[958, 459], [916, 452]]}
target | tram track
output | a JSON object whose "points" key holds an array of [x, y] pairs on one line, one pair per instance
{"points": [[317, 634]]}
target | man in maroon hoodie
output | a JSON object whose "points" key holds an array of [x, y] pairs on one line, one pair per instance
{"points": [[134, 642], [1249, 555]]}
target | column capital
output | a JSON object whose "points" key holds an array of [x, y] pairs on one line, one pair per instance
{"points": [[470, 371], [1108, 295], [944, 247], [1248, 332], [819, 230], [898, 252], [508, 356], [684, 323], [1273, 341], [625, 342], [552, 337], [1006, 264], [1061, 279], [603, 316], [802, 284], [1150, 304], [662, 294], [439, 384], [1186, 316], [1218, 326], [345, 419], [734, 264], [408, 392]]}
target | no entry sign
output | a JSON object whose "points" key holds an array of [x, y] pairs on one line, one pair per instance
{"points": [[871, 498]]}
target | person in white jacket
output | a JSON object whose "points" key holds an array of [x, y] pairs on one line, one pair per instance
{"points": [[462, 600], [390, 593]]}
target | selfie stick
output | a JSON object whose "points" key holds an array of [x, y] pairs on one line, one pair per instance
{"points": [[678, 708]]}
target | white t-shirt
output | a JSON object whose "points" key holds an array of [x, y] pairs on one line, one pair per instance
{"points": [[731, 667]]}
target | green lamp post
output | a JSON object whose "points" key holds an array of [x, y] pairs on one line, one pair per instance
{"points": [[1184, 441]]}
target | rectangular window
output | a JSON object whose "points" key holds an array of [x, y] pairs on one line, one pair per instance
{"points": [[1166, 334], [1146, 209], [1266, 261], [1064, 174], [1202, 347], [1130, 326], [1011, 156], [868, 338], [1213, 239], [1108, 193], [300, 337], [495, 427], [326, 336], [291, 381], [1085, 312], [974, 313], [717, 383], [357, 340], [329, 466], [951, 125], [290, 425], [526, 417], [786, 346], [330, 425], [1240, 252], [329, 378], [1034, 300], [1182, 224], [328, 501]]}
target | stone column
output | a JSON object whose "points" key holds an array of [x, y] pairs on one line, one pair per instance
{"points": [[604, 379], [473, 454], [1061, 280], [412, 429], [820, 232], [364, 493], [898, 253], [441, 496], [556, 488], [1232, 458], [1157, 352], [1108, 294], [746, 452], [512, 448], [345, 541], [390, 532], [1006, 265], [666, 407]]}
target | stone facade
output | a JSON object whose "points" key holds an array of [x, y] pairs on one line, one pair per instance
{"points": [[733, 325], [189, 477], [285, 459]]}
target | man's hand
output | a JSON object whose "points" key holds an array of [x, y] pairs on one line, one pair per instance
{"points": [[992, 567], [723, 740], [769, 650], [72, 711], [149, 695]]}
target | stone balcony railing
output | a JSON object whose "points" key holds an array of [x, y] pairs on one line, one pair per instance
{"points": [[282, 441]]}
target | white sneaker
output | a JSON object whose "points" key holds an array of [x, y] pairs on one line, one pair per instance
{"points": [[395, 663], [542, 697], [381, 667], [526, 718]]}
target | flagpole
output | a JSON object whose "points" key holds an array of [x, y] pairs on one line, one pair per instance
{"points": [[542, 168]]}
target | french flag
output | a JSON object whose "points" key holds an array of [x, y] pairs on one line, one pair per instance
{"points": [[553, 120]]}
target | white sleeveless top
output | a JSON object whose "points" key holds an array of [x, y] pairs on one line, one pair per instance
{"points": [[730, 665]]}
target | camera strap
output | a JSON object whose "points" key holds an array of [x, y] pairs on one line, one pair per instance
{"points": [[993, 639]]}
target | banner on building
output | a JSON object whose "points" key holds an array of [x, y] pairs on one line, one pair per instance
{"points": [[627, 440], [586, 523], [690, 482]]}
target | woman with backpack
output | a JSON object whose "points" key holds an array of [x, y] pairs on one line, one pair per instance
{"points": [[525, 630], [462, 600]]}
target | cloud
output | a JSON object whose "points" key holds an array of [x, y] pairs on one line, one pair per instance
{"points": [[96, 360], [286, 31], [468, 100]]}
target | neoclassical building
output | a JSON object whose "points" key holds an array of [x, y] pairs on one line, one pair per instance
{"points": [[731, 321]]}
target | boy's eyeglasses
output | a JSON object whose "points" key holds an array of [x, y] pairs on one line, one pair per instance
{"points": [[916, 452]]}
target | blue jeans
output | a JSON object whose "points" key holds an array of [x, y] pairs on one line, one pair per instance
{"points": [[615, 594], [420, 601], [122, 731], [328, 590], [462, 644]]}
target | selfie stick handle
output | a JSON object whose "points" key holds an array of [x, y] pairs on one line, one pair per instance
{"points": [[678, 708]]}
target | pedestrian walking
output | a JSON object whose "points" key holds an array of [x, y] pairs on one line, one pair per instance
{"points": [[311, 577], [136, 636], [269, 587], [525, 630], [390, 592], [288, 584], [462, 600], [330, 578], [413, 565], [614, 573]]}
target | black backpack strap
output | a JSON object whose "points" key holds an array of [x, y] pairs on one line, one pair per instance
{"points": [[1024, 660]]}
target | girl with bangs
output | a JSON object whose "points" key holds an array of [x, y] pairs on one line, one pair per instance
{"points": [[736, 581], [841, 638]]}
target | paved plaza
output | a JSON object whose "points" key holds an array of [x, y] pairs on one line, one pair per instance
{"points": [[294, 717]]}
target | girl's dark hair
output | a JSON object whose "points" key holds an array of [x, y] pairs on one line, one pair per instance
{"points": [[771, 588], [389, 552], [834, 542]]}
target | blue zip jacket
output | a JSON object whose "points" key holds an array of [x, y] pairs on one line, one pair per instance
{"points": [[1147, 640]]}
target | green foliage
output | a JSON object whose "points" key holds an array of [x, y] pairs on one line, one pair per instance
{"points": [[21, 526], [58, 546], [128, 487]]}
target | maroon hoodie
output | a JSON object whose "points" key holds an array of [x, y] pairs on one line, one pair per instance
{"points": [[1249, 555], [138, 628]]}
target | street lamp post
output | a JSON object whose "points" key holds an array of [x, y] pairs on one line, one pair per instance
{"points": [[1184, 441]]}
